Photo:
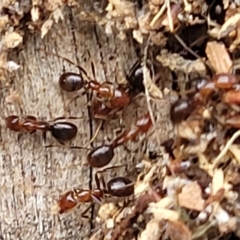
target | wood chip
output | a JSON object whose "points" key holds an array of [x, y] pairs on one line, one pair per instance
{"points": [[219, 57], [191, 197]]}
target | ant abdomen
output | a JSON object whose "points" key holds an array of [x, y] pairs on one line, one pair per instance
{"points": [[63, 131], [120, 187], [144, 123], [67, 202], [100, 156], [12, 123], [71, 82], [120, 99]]}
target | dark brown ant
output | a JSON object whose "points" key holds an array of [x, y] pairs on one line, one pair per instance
{"points": [[102, 155], [61, 131], [135, 78], [200, 91], [181, 110], [113, 97], [117, 187]]}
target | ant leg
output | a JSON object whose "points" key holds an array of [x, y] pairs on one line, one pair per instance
{"points": [[97, 179], [51, 145], [44, 138], [78, 147], [95, 199], [81, 69], [19, 136], [63, 117], [83, 215], [73, 99]]}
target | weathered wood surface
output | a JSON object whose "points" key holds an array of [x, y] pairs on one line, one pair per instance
{"points": [[31, 177]]}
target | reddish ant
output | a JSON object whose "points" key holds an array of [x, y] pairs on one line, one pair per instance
{"points": [[102, 155], [61, 131], [202, 91], [117, 187], [113, 97]]}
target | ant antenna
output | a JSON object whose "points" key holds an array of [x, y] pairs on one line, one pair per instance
{"points": [[67, 60]]}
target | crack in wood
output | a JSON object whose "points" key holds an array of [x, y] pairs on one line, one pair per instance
{"points": [[88, 98]]}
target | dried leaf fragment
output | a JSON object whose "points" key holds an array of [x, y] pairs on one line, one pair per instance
{"points": [[178, 63], [160, 211], [229, 26], [12, 40], [46, 27], [58, 15], [219, 57], [3, 21], [191, 197], [177, 230]]}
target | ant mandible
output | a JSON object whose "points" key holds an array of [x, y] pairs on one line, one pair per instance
{"points": [[117, 187], [61, 131]]}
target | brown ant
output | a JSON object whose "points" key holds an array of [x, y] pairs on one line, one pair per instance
{"points": [[135, 76], [113, 97], [117, 187], [181, 110], [102, 155], [201, 91], [61, 131]]}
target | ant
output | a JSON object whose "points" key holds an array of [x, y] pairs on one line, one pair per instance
{"points": [[61, 131], [117, 187], [102, 155], [201, 91], [114, 97]]}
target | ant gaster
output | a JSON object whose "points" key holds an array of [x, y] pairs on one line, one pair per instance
{"points": [[117, 187], [61, 131]]}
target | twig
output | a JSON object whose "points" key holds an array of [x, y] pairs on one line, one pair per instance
{"points": [[145, 83], [169, 15], [158, 15], [216, 161], [186, 47]]}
